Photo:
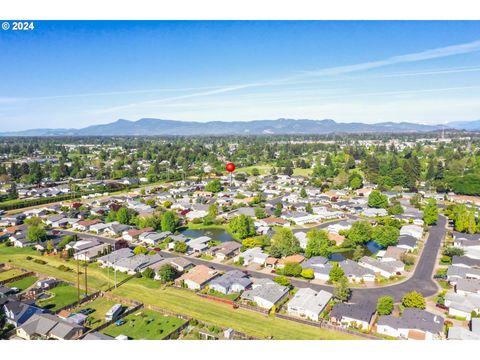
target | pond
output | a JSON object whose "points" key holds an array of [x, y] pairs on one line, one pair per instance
{"points": [[215, 233], [371, 248]]}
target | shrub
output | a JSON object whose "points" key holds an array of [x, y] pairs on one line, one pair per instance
{"points": [[40, 261]]}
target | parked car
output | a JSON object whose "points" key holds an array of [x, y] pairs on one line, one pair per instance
{"points": [[120, 322]]}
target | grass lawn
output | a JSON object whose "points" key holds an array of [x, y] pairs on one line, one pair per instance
{"points": [[24, 283], [265, 170], [218, 294], [145, 324], [101, 305], [8, 274], [249, 322], [98, 278], [63, 295], [184, 302]]}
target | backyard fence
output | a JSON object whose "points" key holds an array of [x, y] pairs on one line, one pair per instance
{"points": [[108, 323], [83, 300], [16, 278], [325, 325]]}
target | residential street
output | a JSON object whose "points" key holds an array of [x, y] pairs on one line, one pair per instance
{"points": [[421, 280]]}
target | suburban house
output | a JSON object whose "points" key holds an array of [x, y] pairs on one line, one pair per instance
{"points": [[356, 273], [385, 269], [462, 305], [308, 303], [393, 253], [297, 259], [265, 293], [152, 237], [320, 266], [17, 313], [407, 242], [467, 286], [85, 225], [225, 250], [199, 244], [355, 315], [454, 273], [254, 255], [133, 234], [466, 261], [92, 252], [233, 281], [48, 326], [110, 259], [137, 263], [198, 277], [413, 230], [415, 324]]}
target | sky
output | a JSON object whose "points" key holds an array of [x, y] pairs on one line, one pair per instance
{"points": [[72, 74]]}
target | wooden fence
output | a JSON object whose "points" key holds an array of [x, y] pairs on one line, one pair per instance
{"points": [[83, 300], [16, 278], [326, 325], [108, 323]]}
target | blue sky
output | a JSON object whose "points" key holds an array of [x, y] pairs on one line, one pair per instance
{"points": [[75, 74]]}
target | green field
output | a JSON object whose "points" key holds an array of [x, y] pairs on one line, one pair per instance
{"points": [[8, 274], [24, 283], [179, 301], [98, 278], [265, 170], [145, 324], [63, 295], [249, 322], [101, 305]]}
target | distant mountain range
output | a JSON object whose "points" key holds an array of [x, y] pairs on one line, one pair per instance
{"points": [[145, 127]]}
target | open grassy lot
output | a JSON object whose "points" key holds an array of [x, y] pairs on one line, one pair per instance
{"points": [[8, 274], [24, 283], [145, 324], [249, 322], [180, 301], [101, 306], [265, 170], [63, 295], [98, 278]]}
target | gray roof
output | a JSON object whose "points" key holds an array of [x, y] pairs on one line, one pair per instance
{"points": [[468, 285], [266, 289], [314, 262], [465, 260], [362, 312], [407, 240], [48, 324], [460, 333], [116, 255], [97, 336], [138, 262], [351, 268], [413, 318], [231, 278], [310, 300]]}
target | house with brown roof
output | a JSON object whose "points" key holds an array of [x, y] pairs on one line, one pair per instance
{"points": [[133, 234], [297, 259], [85, 225], [198, 277], [225, 250]]}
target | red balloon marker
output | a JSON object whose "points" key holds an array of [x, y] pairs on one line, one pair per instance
{"points": [[230, 167]]}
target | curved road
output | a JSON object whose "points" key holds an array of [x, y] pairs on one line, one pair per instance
{"points": [[421, 280]]}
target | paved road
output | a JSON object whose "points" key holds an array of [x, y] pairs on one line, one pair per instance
{"points": [[421, 280]]}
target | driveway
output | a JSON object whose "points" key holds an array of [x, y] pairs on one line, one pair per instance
{"points": [[421, 280]]}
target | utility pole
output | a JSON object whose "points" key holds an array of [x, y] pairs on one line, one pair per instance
{"points": [[86, 284], [78, 278]]}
